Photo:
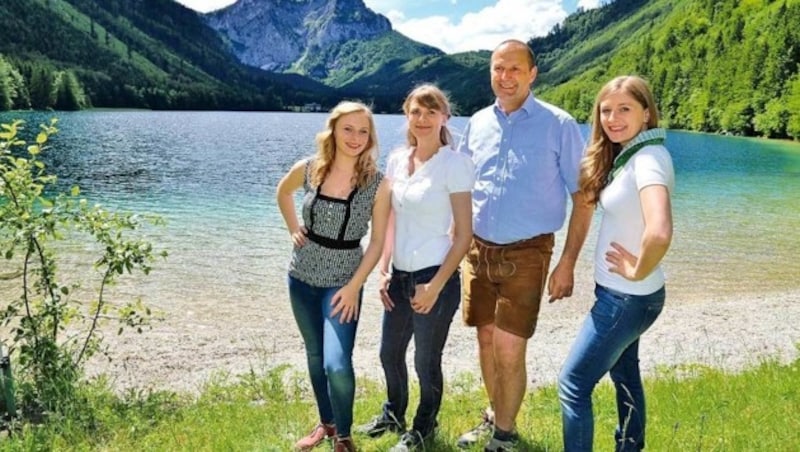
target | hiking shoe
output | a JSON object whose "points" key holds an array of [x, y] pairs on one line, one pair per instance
{"points": [[343, 445], [499, 445], [411, 440], [480, 432], [319, 434], [386, 422]]}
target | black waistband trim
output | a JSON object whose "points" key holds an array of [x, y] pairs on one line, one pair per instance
{"points": [[333, 243]]}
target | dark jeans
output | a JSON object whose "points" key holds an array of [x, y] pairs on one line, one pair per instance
{"points": [[430, 334], [608, 342], [329, 350]]}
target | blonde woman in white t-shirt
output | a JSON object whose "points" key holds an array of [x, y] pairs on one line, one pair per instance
{"points": [[429, 232], [628, 172]]}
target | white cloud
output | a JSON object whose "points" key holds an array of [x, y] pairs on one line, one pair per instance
{"points": [[483, 30], [395, 16], [205, 6], [590, 4], [384, 5]]}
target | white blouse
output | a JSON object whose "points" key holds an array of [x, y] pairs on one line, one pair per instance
{"points": [[623, 219], [421, 204]]}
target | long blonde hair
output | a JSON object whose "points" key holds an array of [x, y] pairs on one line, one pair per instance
{"points": [[429, 96], [599, 158], [366, 165]]}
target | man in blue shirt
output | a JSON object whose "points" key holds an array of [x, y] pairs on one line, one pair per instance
{"points": [[527, 157]]}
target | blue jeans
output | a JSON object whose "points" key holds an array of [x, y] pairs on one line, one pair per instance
{"points": [[430, 334], [608, 342], [329, 351]]}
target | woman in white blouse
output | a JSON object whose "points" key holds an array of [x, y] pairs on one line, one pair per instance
{"points": [[429, 232]]}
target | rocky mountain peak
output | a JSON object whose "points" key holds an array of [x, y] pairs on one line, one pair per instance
{"points": [[274, 34]]}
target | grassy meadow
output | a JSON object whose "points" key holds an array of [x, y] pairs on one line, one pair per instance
{"points": [[690, 408]]}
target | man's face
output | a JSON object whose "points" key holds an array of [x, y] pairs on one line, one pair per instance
{"points": [[512, 76]]}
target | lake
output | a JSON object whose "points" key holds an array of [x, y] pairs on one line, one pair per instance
{"points": [[212, 176]]}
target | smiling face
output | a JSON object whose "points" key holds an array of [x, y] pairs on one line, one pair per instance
{"points": [[352, 133], [425, 123], [513, 73], [622, 117]]}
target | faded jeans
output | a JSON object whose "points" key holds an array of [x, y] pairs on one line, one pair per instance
{"points": [[608, 342], [329, 351], [430, 334]]}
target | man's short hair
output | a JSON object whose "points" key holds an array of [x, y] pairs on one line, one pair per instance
{"points": [[518, 43]]}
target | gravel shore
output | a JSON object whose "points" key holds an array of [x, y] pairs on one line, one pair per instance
{"points": [[196, 342]]}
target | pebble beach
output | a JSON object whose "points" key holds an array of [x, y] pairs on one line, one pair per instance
{"points": [[196, 343]]}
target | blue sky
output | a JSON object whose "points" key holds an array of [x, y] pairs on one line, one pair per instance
{"points": [[461, 25]]}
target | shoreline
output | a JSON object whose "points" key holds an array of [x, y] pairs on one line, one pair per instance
{"points": [[185, 351]]}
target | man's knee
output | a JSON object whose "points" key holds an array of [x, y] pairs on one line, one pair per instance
{"points": [[485, 336], [509, 350]]}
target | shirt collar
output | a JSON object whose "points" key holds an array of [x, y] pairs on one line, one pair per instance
{"points": [[528, 106], [645, 135]]}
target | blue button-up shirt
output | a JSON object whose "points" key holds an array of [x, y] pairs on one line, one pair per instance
{"points": [[525, 165]]}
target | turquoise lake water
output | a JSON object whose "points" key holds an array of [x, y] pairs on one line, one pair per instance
{"points": [[212, 176]]}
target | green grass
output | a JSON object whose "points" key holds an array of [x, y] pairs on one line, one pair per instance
{"points": [[690, 408]]}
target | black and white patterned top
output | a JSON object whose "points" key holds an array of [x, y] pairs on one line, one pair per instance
{"points": [[335, 227]]}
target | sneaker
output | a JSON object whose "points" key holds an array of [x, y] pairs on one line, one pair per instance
{"points": [[386, 422], [319, 434], [499, 445], [480, 432], [343, 445], [411, 440]]}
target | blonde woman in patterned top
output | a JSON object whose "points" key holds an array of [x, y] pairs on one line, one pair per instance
{"points": [[343, 193]]}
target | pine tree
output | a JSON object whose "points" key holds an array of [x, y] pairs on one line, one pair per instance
{"points": [[69, 94], [41, 88]]}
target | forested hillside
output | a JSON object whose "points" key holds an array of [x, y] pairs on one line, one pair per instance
{"points": [[724, 66], [71, 54], [464, 76], [357, 59]]}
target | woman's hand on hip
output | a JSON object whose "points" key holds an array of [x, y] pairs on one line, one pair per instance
{"points": [[622, 262], [299, 236]]}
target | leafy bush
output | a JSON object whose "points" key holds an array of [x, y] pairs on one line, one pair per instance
{"points": [[52, 331]]}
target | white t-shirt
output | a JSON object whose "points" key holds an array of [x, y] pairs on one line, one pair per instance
{"points": [[421, 202], [623, 220]]}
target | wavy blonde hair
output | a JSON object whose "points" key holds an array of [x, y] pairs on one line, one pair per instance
{"points": [[429, 96], [366, 164], [600, 154]]}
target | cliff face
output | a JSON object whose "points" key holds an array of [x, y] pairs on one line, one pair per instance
{"points": [[277, 34]]}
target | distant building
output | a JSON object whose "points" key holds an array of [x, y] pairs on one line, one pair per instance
{"points": [[312, 107]]}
